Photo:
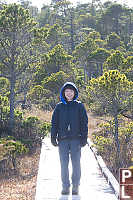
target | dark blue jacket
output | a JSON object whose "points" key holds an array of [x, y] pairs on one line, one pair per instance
{"points": [[69, 119]]}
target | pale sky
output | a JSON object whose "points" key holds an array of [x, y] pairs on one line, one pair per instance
{"points": [[39, 3]]}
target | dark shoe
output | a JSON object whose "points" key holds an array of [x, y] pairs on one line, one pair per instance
{"points": [[65, 191], [75, 190], [83, 142]]}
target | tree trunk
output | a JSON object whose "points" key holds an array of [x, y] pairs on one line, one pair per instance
{"points": [[116, 25], [116, 134], [98, 71], [117, 140], [89, 70], [12, 97], [84, 73], [101, 69]]}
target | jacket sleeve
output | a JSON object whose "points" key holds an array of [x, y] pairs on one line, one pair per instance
{"points": [[83, 122], [54, 122]]}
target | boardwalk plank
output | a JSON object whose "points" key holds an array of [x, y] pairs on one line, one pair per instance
{"points": [[93, 185]]}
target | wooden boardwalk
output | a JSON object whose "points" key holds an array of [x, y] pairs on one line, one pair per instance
{"points": [[93, 184]]}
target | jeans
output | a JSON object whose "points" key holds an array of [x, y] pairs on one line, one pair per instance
{"points": [[70, 148]]}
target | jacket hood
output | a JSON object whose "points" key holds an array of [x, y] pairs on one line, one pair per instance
{"points": [[71, 86]]}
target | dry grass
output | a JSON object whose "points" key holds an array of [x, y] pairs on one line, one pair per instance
{"points": [[94, 121], [21, 186], [42, 115]]}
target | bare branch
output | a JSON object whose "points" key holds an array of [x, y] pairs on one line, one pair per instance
{"points": [[128, 116], [5, 63], [4, 48]]}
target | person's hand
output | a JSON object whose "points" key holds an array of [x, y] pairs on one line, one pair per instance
{"points": [[54, 141], [83, 142]]}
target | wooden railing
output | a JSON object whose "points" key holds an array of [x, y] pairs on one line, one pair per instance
{"points": [[105, 171]]}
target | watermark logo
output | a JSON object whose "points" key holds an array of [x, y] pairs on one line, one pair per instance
{"points": [[126, 183]]}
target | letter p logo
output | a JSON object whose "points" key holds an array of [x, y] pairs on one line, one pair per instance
{"points": [[126, 174]]}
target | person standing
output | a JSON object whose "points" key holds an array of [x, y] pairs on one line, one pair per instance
{"points": [[69, 132]]}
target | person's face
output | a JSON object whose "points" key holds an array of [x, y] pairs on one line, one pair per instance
{"points": [[69, 94]]}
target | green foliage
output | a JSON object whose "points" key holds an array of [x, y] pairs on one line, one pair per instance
{"points": [[112, 91], [129, 61], [99, 55], [115, 61], [10, 148], [59, 55], [128, 67], [39, 75], [40, 34], [55, 81], [56, 59], [30, 122], [54, 32], [49, 104], [27, 131], [83, 49], [94, 35], [4, 115], [4, 86], [78, 75], [16, 146], [37, 93], [18, 115], [15, 17], [126, 133], [4, 110], [100, 43], [130, 43], [45, 128], [42, 97], [16, 28], [114, 41], [4, 101], [105, 144]]}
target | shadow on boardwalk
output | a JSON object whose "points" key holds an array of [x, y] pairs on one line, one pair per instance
{"points": [[74, 197]]}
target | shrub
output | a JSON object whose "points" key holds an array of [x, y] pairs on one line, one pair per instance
{"points": [[45, 128], [104, 141], [31, 131], [9, 150], [28, 132]]}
